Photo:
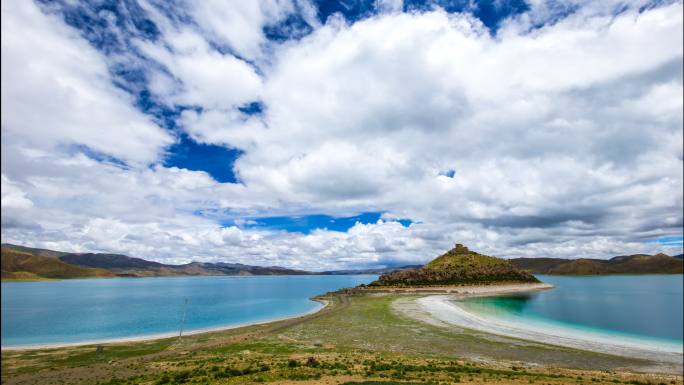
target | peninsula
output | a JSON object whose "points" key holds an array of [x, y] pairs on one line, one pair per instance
{"points": [[458, 266]]}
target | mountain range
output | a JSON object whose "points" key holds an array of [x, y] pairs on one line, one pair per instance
{"points": [[21, 262], [624, 264], [26, 263]]}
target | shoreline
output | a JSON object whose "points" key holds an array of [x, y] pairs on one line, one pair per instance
{"points": [[460, 290], [441, 310], [470, 290], [321, 304]]}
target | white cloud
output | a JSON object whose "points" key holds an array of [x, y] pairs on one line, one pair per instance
{"points": [[56, 91], [390, 5], [207, 77], [240, 23], [13, 197]]}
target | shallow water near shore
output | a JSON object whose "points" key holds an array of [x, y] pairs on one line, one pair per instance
{"points": [[73, 311], [647, 308]]}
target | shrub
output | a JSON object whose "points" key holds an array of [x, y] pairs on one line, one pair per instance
{"points": [[312, 362]]}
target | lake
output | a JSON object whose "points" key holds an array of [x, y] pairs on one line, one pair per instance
{"points": [[644, 307], [80, 310]]}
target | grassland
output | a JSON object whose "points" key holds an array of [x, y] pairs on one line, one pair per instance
{"points": [[354, 340]]}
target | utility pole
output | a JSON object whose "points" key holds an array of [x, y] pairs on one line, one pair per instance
{"points": [[180, 333]]}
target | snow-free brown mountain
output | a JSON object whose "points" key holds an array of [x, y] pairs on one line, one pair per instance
{"points": [[624, 264], [458, 266], [22, 265], [28, 263], [20, 262]]}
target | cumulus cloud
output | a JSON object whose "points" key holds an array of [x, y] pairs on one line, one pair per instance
{"points": [[13, 197], [240, 23], [203, 76], [560, 135], [56, 91]]}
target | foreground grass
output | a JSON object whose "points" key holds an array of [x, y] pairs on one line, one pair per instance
{"points": [[361, 341]]}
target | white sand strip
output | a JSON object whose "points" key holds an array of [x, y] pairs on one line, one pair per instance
{"points": [[444, 309], [465, 290]]}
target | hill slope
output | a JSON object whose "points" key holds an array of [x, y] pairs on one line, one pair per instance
{"points": [[123, 265], [457, 266], [22, 265], [21, 262], [34, 251], [627, 264]]}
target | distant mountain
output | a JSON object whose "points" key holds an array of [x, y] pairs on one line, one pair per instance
{"points": [[109, 261], [34, 251], [22, 265], [20, 262], [223, 268], [624, 264], [457, 266], [370, 271]]}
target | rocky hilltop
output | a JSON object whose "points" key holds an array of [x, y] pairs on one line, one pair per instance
{"points": [[458, 266]]}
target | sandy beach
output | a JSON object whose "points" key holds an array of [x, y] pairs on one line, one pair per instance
{"points": [[151, 337], [444, 310]]}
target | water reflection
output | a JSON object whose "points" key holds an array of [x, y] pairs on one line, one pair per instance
{"points": [[510, 303]]}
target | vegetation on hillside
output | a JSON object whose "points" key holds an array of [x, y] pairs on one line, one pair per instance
{"points": [[458, 266], [19, 265]]}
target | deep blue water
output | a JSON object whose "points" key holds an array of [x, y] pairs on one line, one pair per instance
{"points": [[96, 309], [642, 306]]}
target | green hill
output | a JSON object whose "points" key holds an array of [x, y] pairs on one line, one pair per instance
{"points": [[25, 266], [627, 264], [458, 266]]}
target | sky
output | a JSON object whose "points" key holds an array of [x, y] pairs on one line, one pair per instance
{"points": [[342, 134]]}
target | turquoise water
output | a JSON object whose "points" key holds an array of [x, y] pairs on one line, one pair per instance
{"points": [[98, 309], [647, 307]]}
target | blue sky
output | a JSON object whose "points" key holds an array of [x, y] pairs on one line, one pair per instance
{"points": [[306, 223], [324, 134], [673, 241]]}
